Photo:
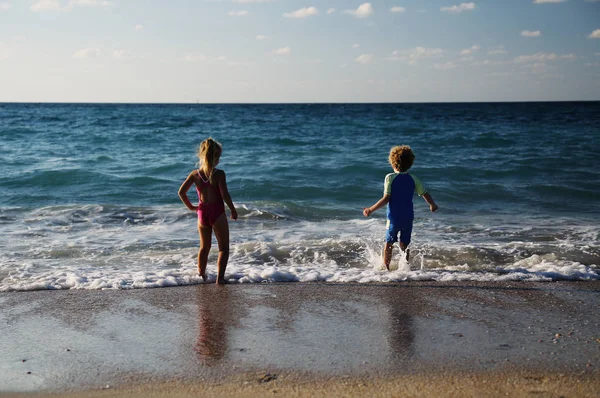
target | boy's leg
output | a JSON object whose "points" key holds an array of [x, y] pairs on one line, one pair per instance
{"points": [[405, 234], [387, 254], [404, 248], [221, 228], [205, 242]]}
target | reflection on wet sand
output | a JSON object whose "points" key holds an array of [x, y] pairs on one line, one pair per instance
{"points": [[214, 310], [401, 334]]}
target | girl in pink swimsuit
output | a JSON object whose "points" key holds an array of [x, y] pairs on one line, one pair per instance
{"points": [[211, 186]]}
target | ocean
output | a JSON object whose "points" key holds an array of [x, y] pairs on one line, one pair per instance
{"points": [[88, 192]]}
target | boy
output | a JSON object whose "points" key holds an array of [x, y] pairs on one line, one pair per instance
{"points": [[399, 188]]}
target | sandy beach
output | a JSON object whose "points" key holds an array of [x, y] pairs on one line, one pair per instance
{"points": [[305, 339]]}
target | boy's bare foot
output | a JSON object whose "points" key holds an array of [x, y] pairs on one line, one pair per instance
{"points": [[222, 282], [203, 276]]}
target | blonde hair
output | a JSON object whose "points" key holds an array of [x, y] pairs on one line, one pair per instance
{"points": [[209, 153], [401, 157]]}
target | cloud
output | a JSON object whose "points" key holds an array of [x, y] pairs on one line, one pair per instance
{"points": [[238, 13], [194, 58], [471, 50], [459, 8], [302, 13], [138, 27], [5, 51], [548, 1], [251, 1], [364, 59], [282, 51], [89, 3], [414, 55], [445, 66], [331, 11], [363, 11], [355, 45], [497, 51], [397, 9], [221, 58], [595, 34], [87, 53], [531, 33], [45, 5], [543, 57], [121, 54], [261, 37], [4, 6]]}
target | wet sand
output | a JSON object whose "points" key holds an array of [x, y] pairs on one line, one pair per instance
{"points": [[302, 339]]}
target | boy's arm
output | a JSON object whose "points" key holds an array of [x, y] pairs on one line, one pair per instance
{"points": [[380, 203], [432, 206], [183, 192]]}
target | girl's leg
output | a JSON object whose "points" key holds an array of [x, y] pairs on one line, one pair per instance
{"points": [[205, 232], [221, 228], [387, 254]]}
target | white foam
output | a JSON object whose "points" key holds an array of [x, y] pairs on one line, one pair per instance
{"points": [[160, 248]]}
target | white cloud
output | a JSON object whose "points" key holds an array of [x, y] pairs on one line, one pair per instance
{"points": [[138, 27], [120, 54], [282, 51], [364, 59], [261, 37], [237, 13], [302, 13], [4, 6], [543, 57], [459, 8], [414, 55], [251, 1], [194, 58], [89, 3], [356, 45], [487, 62], [595, 34], [363, 11], [497, 51], [531, 33], [331, 11], [45, 5], [221, 58], [5, 51], [87, 53], [468, 51], [397, 9], [548, 1], [445, 66], [593, 64]]}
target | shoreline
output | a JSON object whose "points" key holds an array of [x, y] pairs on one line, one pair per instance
{"points": [[304, 339]]}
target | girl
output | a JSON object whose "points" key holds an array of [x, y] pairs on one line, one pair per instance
{"points": [[212, 191]]}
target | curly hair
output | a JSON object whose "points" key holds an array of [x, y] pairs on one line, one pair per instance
{"points": [[401, 157]]}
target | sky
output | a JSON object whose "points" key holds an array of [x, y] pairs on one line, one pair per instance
{"points": [[256, 51]]}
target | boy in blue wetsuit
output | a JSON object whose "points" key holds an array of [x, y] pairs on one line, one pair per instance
{"points": [[399, 189]]}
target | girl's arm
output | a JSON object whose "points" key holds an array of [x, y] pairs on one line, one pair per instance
{"points": [[225, 194], [432, 206], [187, 184], [382, 202]]}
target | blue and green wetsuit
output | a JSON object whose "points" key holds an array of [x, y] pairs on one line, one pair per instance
{"points": [[400, 214]]}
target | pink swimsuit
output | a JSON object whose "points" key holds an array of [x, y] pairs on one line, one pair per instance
{"points": [[208, 213]]}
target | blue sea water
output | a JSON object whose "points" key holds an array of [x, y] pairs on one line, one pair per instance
{"points": [[88, 192]]}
